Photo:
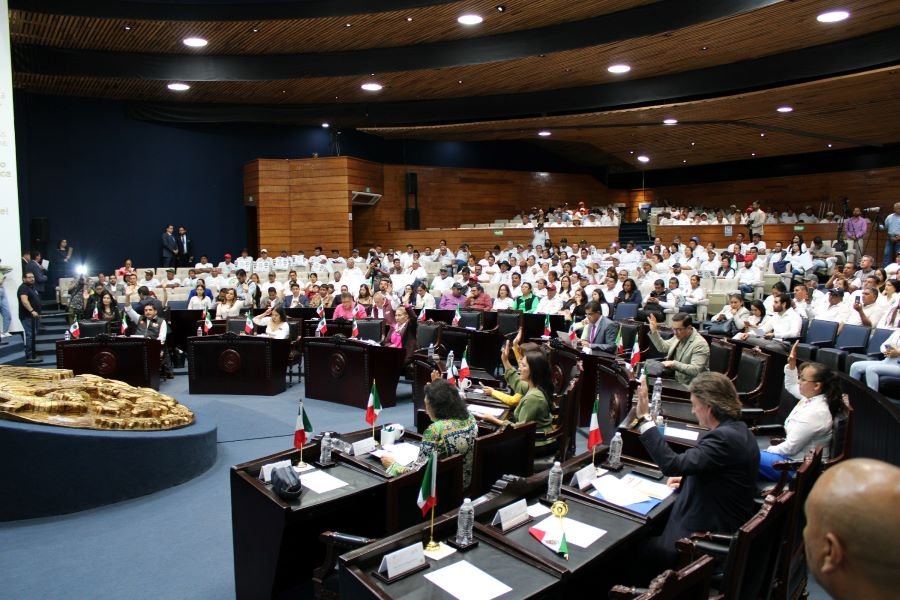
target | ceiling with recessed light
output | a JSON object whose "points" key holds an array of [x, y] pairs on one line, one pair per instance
{"points": [[682, 82]]}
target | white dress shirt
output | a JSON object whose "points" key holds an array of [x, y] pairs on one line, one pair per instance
{"points": [[808, 425]]}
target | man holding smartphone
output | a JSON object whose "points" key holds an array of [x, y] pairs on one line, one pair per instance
{"points": [[866, 309]]}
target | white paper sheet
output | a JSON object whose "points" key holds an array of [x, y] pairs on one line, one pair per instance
{"points": [[321, 482], [442, 552], [479, 409], [683, 434], [304, 469], [617, 492], [465, 581], [404, 453], [577, 533], [660, 491]]}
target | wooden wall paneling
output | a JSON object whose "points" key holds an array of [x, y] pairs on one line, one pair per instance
{"points": [[267, 180], [319, 203]]}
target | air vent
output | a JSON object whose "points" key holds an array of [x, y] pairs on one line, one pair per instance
{"points": [[365, 198]]}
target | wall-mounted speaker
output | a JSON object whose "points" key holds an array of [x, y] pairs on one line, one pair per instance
{"points": [[412, 184]]}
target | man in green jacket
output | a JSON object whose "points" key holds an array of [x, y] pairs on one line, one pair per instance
{"points": [[687, 353]]}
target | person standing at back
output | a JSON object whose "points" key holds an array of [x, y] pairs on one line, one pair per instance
{"points": [[168, 247], [29, 315]]}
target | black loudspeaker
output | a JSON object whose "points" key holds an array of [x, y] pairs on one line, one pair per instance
{"points": [[40, 234], [412, 185], [411, 218]]}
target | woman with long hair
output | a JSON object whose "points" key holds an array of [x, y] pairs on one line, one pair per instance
{"points": [[230, 307], [533, 382], [574, 307], [630, 293], [108, 308], [809, 424], [200, 301], [365, 295], [504, 299], [276, 323], [403, 331]]}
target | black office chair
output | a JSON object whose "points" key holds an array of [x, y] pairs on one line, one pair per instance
{"points": [[428, 333], [470, 318], [625, 310], [872, 351], [852, 338], [92, 328], [820, 334], [371, 329], [508, 323], [237, 325]]}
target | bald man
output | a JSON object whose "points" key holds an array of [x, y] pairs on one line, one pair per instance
{"points": [[852, 530]]}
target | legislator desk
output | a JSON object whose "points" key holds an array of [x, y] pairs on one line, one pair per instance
{"points": [[237, 364], [134, 360], [423, 366], [527, 577], [603, 375], [341, 370], [276, 543], [333, 327]]}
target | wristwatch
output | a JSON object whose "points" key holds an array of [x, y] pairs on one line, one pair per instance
{"points": [[640, 420], [645, 422]]}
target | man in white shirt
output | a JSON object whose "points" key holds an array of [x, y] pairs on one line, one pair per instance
{"points": [[417, 271], [515, 288], [807, 216], [283, 263], [551, 303], [226, 266], [170, 282], [442, 282], [353, 276], [216, 281], [263, 264], [149, 280], [629, 256], [748, 277], [319, 264], [834, 309], [204, 266], [758, 243], [789, 217], [783, 323], [244, 261], [684, 282], [802, 304], [406, 258], [868, 311]]}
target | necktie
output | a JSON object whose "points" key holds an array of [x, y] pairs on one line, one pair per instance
{"points": [[593, 333]]}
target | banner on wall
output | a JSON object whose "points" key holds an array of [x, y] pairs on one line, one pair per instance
{"points": [[10, 238]]}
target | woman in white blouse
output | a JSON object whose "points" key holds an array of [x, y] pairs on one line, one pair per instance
{"points": [[733, 310], [504, 300], [809, 424], [201, 301], [694, 296], [275, 322], [230, 307]]}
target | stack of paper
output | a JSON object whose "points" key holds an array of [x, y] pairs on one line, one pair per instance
{"points": [[478, 409]]}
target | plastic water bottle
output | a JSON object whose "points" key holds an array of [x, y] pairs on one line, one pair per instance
{"points": [[450, 360], [554, 482], [431, 352], [68, 335], [615, 451], [661, 425], [465, 520], [199, 330], [656, 399], [325, 450]]}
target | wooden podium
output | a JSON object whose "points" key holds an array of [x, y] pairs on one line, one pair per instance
{"points": [[134, 360], [341, 370], [237, 364]]}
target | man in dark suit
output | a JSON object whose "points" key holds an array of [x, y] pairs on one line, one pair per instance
{"points": [[185, 248], [598, 332], [716, 480], [169, 247]]}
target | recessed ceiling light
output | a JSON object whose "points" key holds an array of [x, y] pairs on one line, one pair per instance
{"points": [[326, 125], [829, 145], [372, 87], [785, 109], [194, 42], [348, 25], [470, 19], [409, 19], [833, 16], [670, 121], [643, 159], [753, 154], [545, 133], [500, 7], [704, 48], [684, 161], [178, 87], [631, 152], [255, 30], [459, 81], [762, 135], [127, 28], [618, 69], [692, 143]]}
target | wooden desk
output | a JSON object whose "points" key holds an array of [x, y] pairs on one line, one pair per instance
{"points": [[134, 360], [631, 442], [342, 369], [528, 577], [237, 364], [276, 543], [422, 368]]}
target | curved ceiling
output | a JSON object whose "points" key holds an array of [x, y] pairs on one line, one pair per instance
{"points": [[539, 63]]}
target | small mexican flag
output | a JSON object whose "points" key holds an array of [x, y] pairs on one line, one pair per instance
{"points": [[595, 436], [124, 327], [464, 365], [75, 330], [355, 331], [452, 373], [573, 335], [554, 541], [428, 492], [635, 353], [207, 322], [322, 327], [248, 325], [302, 429], [547, 326], [620, 349], [320, 310], [95, 315], [456, 316], [374, 406], [422, 316]]}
